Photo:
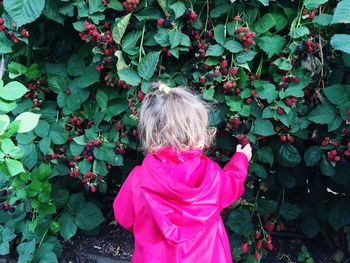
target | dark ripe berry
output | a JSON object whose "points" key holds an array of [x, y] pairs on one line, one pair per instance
{"points": [[167, 23], [210, 77], [283, 138], [244, 248], [3, 193]]}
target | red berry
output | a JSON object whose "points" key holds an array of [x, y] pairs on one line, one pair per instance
{"points": [[160, 21], [248, 101], [244, 248], [290, 138], [270, 227], [312, 15], [216, 73], [257, 234], [90, 158], [258, 244], [337, 158], [71, 163], [269, 246], [1, 21], [92, 188], [234, 71], [280, 111], [268, 238], [348, 111], [257, 255], [224, 63], [283, 138], [193, 16]]}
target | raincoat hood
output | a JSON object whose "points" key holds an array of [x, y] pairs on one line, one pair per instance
{"points": [[181, 191]]}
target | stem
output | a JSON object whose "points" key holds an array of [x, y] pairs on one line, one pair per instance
{"points": [[207, 18], [141, 45]]}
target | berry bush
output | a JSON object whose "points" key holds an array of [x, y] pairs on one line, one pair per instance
{"points": [[277, 73]]}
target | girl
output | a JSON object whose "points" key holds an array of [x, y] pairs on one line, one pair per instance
{"points": [[172, 202]]}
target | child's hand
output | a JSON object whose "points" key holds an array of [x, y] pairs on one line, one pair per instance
{"points": [[247, 150]]}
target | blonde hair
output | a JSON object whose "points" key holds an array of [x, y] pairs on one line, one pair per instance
{"points": [[174, 117]]}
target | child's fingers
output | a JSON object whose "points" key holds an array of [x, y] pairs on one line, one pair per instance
{"points": [[239, 147]]}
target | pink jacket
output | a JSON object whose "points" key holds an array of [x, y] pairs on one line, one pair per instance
{"points": [[172, 204]]}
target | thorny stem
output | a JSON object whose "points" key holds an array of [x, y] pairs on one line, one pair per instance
{"points": [[142, 37], [207, 18]]}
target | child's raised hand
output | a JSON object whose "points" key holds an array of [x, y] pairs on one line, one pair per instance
{"points": [[247, 150]]}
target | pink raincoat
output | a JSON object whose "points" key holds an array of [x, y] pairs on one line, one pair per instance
{"points": [[172, 204]]}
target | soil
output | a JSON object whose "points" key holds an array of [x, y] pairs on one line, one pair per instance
{"points": [[115, 244]]}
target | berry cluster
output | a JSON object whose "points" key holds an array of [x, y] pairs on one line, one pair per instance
{"points": [[310, 15], [245, 36], [104, 40], [130, 5], [190, 14], [12, 33], [310, 46], [259, 241], [37, 90], [79, 124]]}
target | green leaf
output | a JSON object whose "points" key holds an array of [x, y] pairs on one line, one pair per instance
{"points": [[28, 121], [14, 167], [68, 227], [5, 43], [179, 9], [129, 76], [233, 46], [24, 11], [219, 34], [338, 94], [148, 65], [246, 56], [89, 77], [265, 155], [51, 11], [215, 50], [149, 13], [102, 99], [26, 251], [175, 38], [312, 155], [75, 66], [341, 42], [42, 129], [89, 217], [75, 203], [266, 206], [13, 91], [265, 23], [264, 2], [266, 90], [342, 13], [283, 64], [299, 32], [339, 215], [326, 167], [58, 134], [120, 28], [263, 127], [4, 123], [219, 11], [288, 155], [164, 5], [4, 248], [239, 221], [322, 20], [272, 44], [325, 113], [258, 169], [313, 4], [16, 69], [95, 6], [289, 211], [310, 226], [114, 4], [44, 145]]}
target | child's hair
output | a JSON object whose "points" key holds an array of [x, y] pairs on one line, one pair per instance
{"points": [[174, 117]]}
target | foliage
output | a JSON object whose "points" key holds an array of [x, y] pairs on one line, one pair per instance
{"points": [[277, 71]]}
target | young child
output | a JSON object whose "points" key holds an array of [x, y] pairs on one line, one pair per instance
{"points": [[172, 202]]}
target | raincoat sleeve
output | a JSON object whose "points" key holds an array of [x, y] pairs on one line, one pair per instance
{"points": [[235, 173], [123, 205]]}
